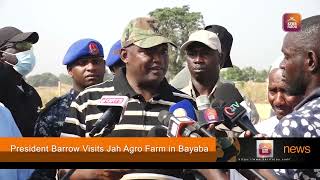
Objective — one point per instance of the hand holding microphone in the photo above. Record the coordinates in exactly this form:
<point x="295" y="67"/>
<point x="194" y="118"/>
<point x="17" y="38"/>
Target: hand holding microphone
<point x="234" y="110"/>
<point x="207" y="116"/>
<point x="181" y="121"/>
<point x="184" y="109"/>
<point x="177" y="127"/>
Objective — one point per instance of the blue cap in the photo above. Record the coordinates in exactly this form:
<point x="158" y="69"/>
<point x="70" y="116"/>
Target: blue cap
<point x="114" y="56"/>
<point x="81" y="49"/>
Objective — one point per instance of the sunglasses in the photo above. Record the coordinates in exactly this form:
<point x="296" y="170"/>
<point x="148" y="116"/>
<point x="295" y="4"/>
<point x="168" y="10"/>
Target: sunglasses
<point x="20" y="46"/>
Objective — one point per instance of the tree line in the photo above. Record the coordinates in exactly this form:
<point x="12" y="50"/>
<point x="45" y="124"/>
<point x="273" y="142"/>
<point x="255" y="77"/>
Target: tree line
<point x="48" y="79"/>
<point x="244" y="74"/>
<point x="233" y="74"/>
<point x="177" y="24"/>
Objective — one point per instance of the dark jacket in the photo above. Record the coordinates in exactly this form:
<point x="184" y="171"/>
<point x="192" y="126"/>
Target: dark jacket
<point x="23" y="104"/>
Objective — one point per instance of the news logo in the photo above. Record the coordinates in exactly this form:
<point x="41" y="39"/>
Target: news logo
<point x="264" y="148"/>
<point x="230" y="110"/>
<point x="291" y="22"/>
<point x="108" y="100"/>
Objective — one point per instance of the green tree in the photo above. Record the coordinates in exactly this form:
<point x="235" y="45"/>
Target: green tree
<point x="45" y="79"/>
<point x="261" y="76"/>
<point x="233" y="74"/>
<point x="176" y="24"/>
<point x="65" y="79"/>
<point x="248" y="74"/>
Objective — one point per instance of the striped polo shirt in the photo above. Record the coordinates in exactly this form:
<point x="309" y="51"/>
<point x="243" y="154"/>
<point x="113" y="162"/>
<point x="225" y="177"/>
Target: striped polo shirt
<point x="139" y="117"/>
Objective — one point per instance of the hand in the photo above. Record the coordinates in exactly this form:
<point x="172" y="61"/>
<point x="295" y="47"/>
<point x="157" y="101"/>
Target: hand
<point x="9" y="58"/>
<point x="215" y="132"/>
<point x="248" y="134"/>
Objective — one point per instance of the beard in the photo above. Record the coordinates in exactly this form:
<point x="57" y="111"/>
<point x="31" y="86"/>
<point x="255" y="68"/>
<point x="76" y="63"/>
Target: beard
<point x="297" y="86"/>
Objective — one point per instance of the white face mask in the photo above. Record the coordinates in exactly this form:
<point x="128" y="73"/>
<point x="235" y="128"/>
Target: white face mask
<point x="26" y="62"/>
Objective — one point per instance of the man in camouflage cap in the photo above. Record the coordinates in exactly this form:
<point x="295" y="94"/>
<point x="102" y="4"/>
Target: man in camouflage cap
<point x="145" y="53"/>
<point x="143" y="32"/>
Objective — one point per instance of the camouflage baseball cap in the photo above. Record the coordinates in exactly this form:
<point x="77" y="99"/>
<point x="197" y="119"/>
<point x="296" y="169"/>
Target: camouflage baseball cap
<point x="143" y="32"/>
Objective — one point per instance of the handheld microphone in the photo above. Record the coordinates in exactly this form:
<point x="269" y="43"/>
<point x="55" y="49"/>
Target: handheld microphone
<point x="114" y="107"/>
<point x="185" y="107"/>
<point x="177" y="127"/>
<point x="157" y="131"/>
<point x="205" y="114"/>
<point x="233" y="110"/>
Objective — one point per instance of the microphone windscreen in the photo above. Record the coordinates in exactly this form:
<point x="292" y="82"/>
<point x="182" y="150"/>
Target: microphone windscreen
<point x="228" y="93"/>
<point x="187" y="106"/>
<point x="157" y="131"/>
<point x="163" y="117"/>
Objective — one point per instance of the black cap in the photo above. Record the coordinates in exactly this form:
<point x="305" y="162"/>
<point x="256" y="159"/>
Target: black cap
<point x="12" y="34"/>
<point x="226" y="40"/>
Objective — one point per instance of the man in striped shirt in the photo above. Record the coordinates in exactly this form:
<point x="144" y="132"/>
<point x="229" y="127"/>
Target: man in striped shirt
<point x="145" y="53"/>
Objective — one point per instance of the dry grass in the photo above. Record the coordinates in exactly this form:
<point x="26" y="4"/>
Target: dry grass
<point x="255" y="91"/>
<point x="47" y="93"/>
<point x="263" y="110"/>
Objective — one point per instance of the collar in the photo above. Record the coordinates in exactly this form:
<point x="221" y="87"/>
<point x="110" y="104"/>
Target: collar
<point x="190" y="90"/>
<point x="122" y="86"/>
<point x="314" y="94"/>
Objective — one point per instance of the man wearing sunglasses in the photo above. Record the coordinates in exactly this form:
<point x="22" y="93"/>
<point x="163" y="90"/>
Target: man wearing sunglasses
<point x="16" y="61"/>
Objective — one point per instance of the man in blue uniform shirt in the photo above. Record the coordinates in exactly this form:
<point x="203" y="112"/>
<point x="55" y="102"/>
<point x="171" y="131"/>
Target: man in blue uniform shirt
<point x="85" y="64"/>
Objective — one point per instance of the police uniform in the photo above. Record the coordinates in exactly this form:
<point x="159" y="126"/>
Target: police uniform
<point x="52" y="116"/>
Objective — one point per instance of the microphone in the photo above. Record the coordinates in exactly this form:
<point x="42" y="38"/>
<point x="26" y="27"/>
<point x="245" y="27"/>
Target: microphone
<point x="184" y="109"/>
<point x="114" y="107"/>
<point x="205" y="114"/>
<point x="177" y="127"/>
<point x="157" y="131"/>
<point x="233" y="109"/>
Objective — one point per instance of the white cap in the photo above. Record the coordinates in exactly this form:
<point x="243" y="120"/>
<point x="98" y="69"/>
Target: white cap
<point x="206" y="37"/>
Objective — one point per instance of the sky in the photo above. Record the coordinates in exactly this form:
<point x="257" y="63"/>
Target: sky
<point x="256" y="25"/>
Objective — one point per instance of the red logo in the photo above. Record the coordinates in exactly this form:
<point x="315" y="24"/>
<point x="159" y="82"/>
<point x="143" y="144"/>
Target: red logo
<point x="291" y="22"/>
<point x="111" y="100"/>
<point x="93" y="49"/>
<point x="211" y="114"/>
<point x="228" y="111"/>
<point x="264" y="148"/>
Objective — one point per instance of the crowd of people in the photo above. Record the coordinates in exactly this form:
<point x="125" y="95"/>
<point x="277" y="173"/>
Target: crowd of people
<point x="139" y="62"/>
